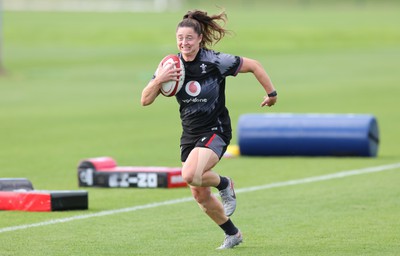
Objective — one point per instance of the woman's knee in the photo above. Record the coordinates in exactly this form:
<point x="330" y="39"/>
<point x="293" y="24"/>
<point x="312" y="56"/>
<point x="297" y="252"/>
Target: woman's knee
<point x="187" y="176"/>
<point x="198" y="162"/>
<point x="191" y="176"/>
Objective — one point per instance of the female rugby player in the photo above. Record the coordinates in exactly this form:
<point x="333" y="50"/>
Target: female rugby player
<point x="205" y="119"/>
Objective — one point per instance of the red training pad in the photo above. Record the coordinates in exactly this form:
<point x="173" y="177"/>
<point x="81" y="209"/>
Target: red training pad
<point x="25" y="201"/>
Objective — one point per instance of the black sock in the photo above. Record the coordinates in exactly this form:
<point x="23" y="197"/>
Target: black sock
<point x="223" y="184"/>
<point x="229" y="228"/>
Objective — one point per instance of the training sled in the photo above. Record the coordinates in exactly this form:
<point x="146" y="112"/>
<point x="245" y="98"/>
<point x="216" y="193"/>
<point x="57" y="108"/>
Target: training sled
<point x="104" y="172"/>
<point x="18" y="194"/>
<point x="308" y="135"/>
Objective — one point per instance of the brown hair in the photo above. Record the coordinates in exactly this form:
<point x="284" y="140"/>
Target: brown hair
<point x="205" y="25"/>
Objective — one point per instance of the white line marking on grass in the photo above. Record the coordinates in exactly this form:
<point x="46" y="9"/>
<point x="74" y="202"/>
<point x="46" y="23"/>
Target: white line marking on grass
<point x="336" y="175"/>
<point x="98" y="214"/>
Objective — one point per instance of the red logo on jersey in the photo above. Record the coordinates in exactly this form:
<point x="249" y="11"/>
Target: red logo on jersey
<point x="193" y="88"/>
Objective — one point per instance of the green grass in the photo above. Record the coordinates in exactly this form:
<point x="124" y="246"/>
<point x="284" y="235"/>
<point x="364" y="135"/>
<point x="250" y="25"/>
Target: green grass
<point x="72" y="91"/>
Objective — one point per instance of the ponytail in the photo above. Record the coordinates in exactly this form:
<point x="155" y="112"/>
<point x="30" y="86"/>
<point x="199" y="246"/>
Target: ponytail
<point x="205" y="25"/>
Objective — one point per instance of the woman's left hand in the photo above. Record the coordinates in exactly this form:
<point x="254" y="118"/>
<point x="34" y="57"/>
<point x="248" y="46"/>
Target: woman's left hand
<point x="269" y="101"/>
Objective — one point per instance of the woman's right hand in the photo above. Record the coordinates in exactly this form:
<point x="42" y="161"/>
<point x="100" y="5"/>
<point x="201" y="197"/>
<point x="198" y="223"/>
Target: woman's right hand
<point x="166" y="73"/>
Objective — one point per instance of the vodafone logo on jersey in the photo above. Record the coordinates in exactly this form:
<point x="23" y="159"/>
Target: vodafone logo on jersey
<point x="193" y="88"/>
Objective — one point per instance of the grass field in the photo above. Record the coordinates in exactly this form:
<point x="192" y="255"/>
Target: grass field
<point x="72" y="91"/>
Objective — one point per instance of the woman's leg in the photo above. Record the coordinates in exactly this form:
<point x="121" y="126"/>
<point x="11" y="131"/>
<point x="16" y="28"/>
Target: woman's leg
<point x="196" y="171"/>
<point x="210" y="204"/>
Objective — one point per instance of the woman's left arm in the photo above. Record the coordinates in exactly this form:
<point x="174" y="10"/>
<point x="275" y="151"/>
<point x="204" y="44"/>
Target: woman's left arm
<point x="255" y="67"/>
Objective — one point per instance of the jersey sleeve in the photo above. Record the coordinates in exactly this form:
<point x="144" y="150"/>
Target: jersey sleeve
<point x="229" y="65"/>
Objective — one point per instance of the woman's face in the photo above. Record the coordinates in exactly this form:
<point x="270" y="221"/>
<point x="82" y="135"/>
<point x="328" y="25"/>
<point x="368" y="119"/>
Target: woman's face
<point x="188" y="42"/>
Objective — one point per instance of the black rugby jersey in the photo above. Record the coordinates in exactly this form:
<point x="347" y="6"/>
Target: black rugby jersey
<point x="202" y="96"/>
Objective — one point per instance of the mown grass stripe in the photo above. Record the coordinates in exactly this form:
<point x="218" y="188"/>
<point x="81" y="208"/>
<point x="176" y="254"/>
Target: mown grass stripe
<point x="336" y="175"/>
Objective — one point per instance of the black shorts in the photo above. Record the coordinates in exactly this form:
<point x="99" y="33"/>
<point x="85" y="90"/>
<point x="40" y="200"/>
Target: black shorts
<point x="217" y="142"/>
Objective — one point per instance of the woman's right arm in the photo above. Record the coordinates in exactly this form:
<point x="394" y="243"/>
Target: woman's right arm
<point x="152" y="90"/>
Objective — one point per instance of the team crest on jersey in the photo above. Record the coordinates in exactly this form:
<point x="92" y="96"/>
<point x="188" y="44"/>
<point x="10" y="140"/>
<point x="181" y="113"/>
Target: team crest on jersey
<point x="203" y="68"/>
<point x="193" y="88"/>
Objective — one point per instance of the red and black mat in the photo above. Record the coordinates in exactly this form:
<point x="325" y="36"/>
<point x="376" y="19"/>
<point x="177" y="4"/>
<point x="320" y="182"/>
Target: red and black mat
<point x="19" y="194"/>
<point x="104" y="172"/>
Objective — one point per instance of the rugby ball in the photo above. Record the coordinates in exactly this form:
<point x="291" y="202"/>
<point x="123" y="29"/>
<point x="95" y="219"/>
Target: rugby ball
<point x="171" y="88"/>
